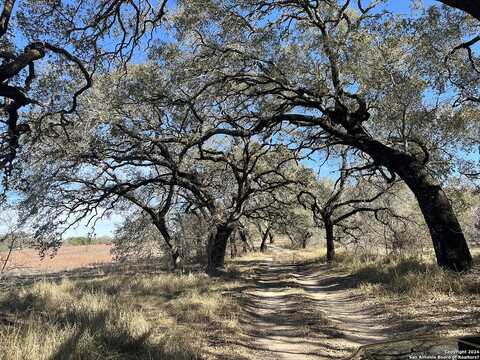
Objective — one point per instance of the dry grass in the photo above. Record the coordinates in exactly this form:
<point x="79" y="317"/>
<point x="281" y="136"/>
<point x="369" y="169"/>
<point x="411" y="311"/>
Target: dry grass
<point x="415" y="295"/>
<point x="317" y="254"/>
<point x="165" y="316"/>
<point x="191" y="316"/>
<point x="412" y="277"/>
<point x="412" y="294"/>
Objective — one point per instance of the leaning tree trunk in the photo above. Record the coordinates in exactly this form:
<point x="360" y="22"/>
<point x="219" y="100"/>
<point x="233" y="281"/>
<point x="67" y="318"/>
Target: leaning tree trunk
<point x="270" y="236"/>
<point x="451" y="248"/>
<point x="246" y="246"/>
<point x="450" y="245"/>
<point x="217" y="246"/>
<point x="174" y="254"/>
<point x="330" y="240"/>
<point x="263" y="245"/>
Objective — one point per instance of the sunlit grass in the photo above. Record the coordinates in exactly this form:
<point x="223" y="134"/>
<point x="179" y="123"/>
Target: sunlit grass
<point x="412" y="277"/>
<point x="118" y="317"/>
<point x="392" y="276"/>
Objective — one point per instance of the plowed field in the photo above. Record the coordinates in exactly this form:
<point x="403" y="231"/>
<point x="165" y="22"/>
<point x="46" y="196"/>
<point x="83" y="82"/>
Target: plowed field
<point x="67" y="257"/>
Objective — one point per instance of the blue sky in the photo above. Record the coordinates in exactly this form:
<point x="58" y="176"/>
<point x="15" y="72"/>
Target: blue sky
<point x="104" y="227"/>
<point x="403" y="7"/>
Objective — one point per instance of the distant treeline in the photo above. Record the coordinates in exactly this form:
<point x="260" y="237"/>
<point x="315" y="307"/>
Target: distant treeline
<point x="85" y="240"/>
<point x="22" y="241"/>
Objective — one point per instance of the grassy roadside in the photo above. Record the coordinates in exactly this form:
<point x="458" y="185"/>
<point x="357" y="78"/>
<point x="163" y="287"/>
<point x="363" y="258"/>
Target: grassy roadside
<point x="406" y="277"/>
<point x="414" y="278"/>
<point x="413" y="293"/>
<point x="167" y="316"/>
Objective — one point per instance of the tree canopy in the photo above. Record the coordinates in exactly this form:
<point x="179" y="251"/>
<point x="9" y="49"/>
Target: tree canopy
<point x="226" y="110"/>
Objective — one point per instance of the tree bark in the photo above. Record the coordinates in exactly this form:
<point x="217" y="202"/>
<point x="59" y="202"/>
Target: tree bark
<point x="451" y="248"/>
<point x="304" y="242"/>
<point x="233" y="244"/>
<point x="263" y="245"/>
<point x="265" y="235"/>
<point x="330" y="240"/>
<point x="5" y="16"/>
<point x="270" y="236"/>
<point x="450" y="245"/>
<point x="174" y="254"/>
<point x="217" y="246"/>
<point x="244" y="238"/>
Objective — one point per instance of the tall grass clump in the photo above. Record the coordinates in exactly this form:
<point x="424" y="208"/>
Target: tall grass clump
<point x="414" y="277"/>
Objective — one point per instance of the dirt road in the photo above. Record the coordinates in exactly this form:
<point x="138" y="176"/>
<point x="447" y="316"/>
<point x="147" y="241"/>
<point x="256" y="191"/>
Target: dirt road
<point x="302" y="312"/>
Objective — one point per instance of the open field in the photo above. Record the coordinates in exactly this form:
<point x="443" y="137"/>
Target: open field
<point x="67" y="257"/>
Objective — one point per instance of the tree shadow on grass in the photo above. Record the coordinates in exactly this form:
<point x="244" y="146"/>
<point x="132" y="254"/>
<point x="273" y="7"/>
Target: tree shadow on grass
<point x="101" y="270"/>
